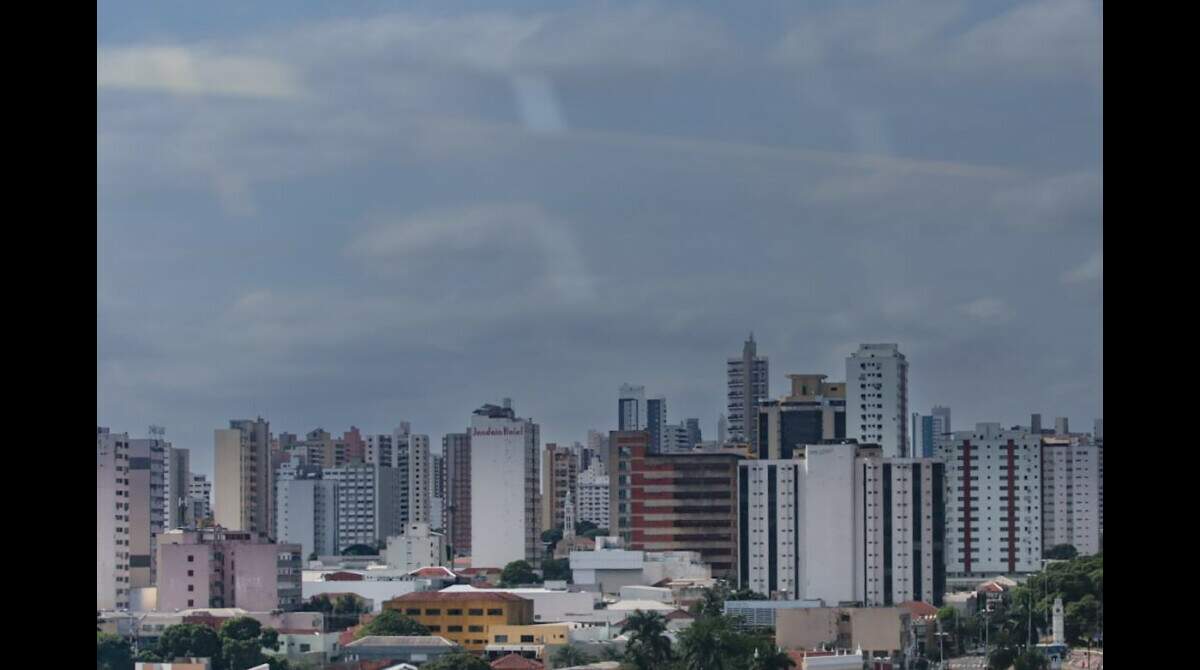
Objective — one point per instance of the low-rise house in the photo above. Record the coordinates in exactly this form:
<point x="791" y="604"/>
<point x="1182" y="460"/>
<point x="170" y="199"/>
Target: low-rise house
<point x="399" y="648"/>
<point x="536" y="641"/>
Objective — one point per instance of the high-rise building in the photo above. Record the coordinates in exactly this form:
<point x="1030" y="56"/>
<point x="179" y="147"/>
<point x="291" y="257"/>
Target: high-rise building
<point x="408" y="453"/>
<point x="214" y="567"/>
<point x="631" y="407"/>
<point x="674" y="439"/>
<point x="112" y="519"/>
<point x="993" y="501"/>
<point x="748" y="383"/>
<point x="656" y="421"/>
<point x="305" y="508"/>
<point x="560" y="479"/>
<point x="928" y="429"/>
<point x="905" y="542"/>
<point x="674" y="502"/>
<point x="593" y="495"/>
<point x="178" y="481"/>
<point x="437" y="497"/>
<point x="457" y="510"/>
<point x="1035" y="424"/>
<point x="200" y="498"/>
<point x="693" y="432"/>
<point x="597" y="444"/>
<point x="418" y="547"/>
<point x="505" y="495"/>
<point x="1071" y="493"/>
<point x="242" y="480"/>
<point x="722" y="429"/>
<point x="877" y="398"/>
<point x="368" y="503"/>
<point x="1098" y="429"/>
<point x="356" y="448"/>
<point x="1061" y="426"/>
<point x="814" y="411"/>
<point x="147" y="515"/>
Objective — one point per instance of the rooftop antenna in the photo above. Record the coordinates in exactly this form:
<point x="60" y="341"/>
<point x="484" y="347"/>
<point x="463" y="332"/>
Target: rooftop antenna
<point x="157" y="432"/>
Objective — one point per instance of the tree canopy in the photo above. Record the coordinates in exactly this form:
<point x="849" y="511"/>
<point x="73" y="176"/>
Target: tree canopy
<point x="113" y="653"/>
<point x="360" y="550"/>
<point x="517" y="573"/>
<point x="557" y="569"/>
<point x="239" y="644"/>
<point x="1061" y="552"/>
<point x="391" y="622"/>
<point x="459" y="661"/>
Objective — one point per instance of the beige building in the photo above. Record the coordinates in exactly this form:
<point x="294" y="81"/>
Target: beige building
<point x="879" y="631"/>
<point x="560" y="476"/>
<point x="538" y="640"/>
<point x="219" y="568"/>
<point x="242" y="477"/>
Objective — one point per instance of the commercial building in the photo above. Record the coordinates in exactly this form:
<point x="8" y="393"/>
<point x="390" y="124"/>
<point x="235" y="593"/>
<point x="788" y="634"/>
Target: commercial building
<point x="214" y="567"/>
<point x="505" y="496"/>
<point x="560" y="479"/>
<point x="147" y="513"/>
<point x="813" y="412"/>
<point x="631" y="407"/>
<point x="747" y="384"/>
<point x="368" y="503"/>
<point x="549" y="604"/>
<point x="881" y="632"/>
<point x="993" y="501"/>
<point x="464" y="617"/>
<point x="457" y="508"/>
<point x="593" y="495"/>
<point x="418" y="547"/>
<point x="929" y="428"/>
<point x="877" y="398"/>
<point x="1071" y="493"/>
<point x="656" y="422"/>
<point x="674" y="502"/>
<point x="306" y="508"/>
<point x="112" y="519"/>
<point x="534" y="641"/>
<point x="242" y="478"/>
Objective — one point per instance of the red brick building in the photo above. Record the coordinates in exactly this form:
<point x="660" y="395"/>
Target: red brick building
<point x="674" y="502"/>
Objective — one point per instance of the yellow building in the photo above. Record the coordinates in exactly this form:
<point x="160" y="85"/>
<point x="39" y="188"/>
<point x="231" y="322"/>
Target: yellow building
<point x="527" y="640"/>
<point x="465" y="618"/>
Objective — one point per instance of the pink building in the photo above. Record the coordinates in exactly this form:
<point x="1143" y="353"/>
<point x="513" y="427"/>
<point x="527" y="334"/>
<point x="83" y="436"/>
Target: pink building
<point x="214" y="567"/>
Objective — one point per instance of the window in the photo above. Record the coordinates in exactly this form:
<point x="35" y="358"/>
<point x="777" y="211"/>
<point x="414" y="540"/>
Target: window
<point x="454" y="612"/>
<point x="475" y="612"/>
<point x="191" y="603"/>
<point x="191" y="558"/>
<point x="433" y="612"/>
<point x="191" y="573"/>
<point x="413" y="611"/>
<point x="436" y="629"/>
<point x="453" y="629"/>
<point x="526" y="638"/>
<point x="191" y="587"/>
<point x="475" y="629"/>
<point x="501" y="639"/>
<point x="496" y="612"/>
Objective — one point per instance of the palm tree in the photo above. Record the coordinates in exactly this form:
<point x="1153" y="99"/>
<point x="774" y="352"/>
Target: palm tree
<point x="771" y="659"/>
<point x="570" y="656"/>
<point x="649" y="647"/>
<point x="710" y="643"/>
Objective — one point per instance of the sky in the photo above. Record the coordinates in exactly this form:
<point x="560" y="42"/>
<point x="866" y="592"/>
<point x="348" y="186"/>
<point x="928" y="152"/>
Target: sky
<point x="361" y="213"/>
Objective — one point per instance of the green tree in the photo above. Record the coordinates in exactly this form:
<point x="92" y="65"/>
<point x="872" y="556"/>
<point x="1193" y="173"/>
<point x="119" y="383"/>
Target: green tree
<point x="459" y="661"/>
<point x="360" y="550"/>
<point x="148" y="656"/>
<point x="712" y="602"/>
<point x="189" y="640"/>
<point x="1080" y="618"/>
<point x="242" y="642"/>
<point x="1062" y="552"/>
<point x="746" y="594"/>
<point x="1001" y="658"/>
<point x="771" y="658"/>
<point x="557" y="569"/>
<point x="517" y="573"/>
<point x="241" y="654"/>
<point x="1031" y="660"/>
<point x="570" y="655"/>
<point x="649" y="647"/>
<point x="712" y="643"/>
<point x="584" y="527"/>
<point x="112" y="653"/>
<point x="552" y="536"/>
<point x="594" y="533"/>
<point x="391" y="622"/>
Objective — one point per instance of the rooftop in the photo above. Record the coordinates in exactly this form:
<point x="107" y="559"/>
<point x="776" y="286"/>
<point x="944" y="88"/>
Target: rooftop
<point x="401" y="641"/>
<point x="515" y="662"/>
<point x="456" y="596"/>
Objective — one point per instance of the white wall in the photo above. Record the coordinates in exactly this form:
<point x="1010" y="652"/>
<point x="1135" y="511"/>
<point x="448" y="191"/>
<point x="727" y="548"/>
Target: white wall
<point x="500" y="473"/>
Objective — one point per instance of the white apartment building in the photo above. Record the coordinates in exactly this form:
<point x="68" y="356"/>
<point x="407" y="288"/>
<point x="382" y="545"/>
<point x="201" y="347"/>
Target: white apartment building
<point x="747" y="384"/>
<point x="242" y="478"/>
<point x="200" y="497"/>
<point x="838" y="522"/>
<point x="147" y="515"/>
<point x="1071" y="478"/>
<point x="993" y="501"/>
<point x="305" y="508"/>
<point x="177" y="479"/>
<point x="409" y="454"/>
<point x="112" y="520"/>
<point x="675" y="439"/>
<point x="593" y="495"/>
<point x="505" y="492"/>
<point x="877" y="398"/>
<point x="368" y="503"/>
<point x="418" y="547"/>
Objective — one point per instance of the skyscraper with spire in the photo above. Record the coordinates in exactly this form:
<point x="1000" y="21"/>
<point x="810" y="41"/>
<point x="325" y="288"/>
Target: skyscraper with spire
<point x="748" y="383"/>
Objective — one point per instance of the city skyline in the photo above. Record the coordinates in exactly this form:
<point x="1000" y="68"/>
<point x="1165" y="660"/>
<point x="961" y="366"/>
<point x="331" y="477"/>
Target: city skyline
<point x="330" y="220"/>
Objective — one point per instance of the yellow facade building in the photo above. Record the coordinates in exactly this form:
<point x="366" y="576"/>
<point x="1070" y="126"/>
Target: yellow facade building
<point x="465" y="618"/>
<point x="537" y="638"/>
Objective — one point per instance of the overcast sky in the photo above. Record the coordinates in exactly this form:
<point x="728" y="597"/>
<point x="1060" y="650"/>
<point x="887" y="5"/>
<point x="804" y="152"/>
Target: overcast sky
<point x="363" y="213"/>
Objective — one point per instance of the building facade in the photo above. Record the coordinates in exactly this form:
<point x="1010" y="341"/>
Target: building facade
<point x="747" y="384"/>
<point x="560" y="479"/>
<point x="815" y="411"/>
<point x="147" y="507"/>
<point x="505" y="496"/>
<point x="177" y="484"/>
<point x="1071" y="478"/>
<point x="456" y="511"/>
<point x="306" y="509"/>
<point x="242" y="477"/>
<point x="631" y="407"/>
<point x="877" y="398"/>
<point x="464" y="618"/>
<point x="904" y="526"/>
<point x="214" y="567"/>
<point x="593" y="495"/>
<point x="200" y="498"/>
<point x="993" y="501"/>
<point x="112" y="519"/>
<point x="674" y="502"/>
<point x="368" y="504"/>
<point x="418" y="547"/>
